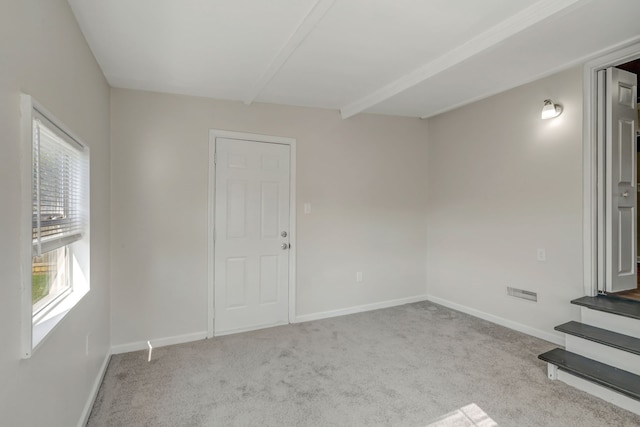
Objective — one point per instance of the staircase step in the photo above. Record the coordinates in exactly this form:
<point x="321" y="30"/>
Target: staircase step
<point x="611" y="304"/>
<point x="615" y="379"/>
<point x="601" y="336"/>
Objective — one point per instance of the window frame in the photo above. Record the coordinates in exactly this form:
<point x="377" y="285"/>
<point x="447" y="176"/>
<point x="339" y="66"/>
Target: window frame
<point x="38" y="325"/>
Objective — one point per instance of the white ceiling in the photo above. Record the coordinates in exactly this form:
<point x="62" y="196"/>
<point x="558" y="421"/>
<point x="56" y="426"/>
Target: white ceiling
<point x="403" y="57"/>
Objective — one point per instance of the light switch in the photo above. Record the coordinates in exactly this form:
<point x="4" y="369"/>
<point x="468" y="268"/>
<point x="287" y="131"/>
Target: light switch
<point x="307" y="208"/>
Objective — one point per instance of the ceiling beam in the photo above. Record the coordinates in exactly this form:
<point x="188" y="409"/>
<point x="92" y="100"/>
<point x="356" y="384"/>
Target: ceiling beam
<point x="307" y="25"/>
<point x="494" y="35"/>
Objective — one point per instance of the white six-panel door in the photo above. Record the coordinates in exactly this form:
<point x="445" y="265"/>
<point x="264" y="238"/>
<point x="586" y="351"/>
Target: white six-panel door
<point x="620" y="177"/>
<point x="252" y="228"/>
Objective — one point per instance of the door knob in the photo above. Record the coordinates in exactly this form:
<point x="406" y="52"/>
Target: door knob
<point x="625" y="194"/>
<point x="285" y="246"/>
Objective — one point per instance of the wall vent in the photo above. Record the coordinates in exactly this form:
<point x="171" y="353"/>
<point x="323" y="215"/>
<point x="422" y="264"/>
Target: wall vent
<point x="521" y="293"/>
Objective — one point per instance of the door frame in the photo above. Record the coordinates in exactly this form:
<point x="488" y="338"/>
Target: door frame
<point x="593" y="164"/>
<point x="291" y="142"/>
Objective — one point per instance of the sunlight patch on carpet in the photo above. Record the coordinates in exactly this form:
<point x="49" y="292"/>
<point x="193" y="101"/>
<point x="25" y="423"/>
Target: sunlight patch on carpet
<point x="467" y="416"/>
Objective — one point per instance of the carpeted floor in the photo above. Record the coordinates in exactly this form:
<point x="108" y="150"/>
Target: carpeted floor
<point x="403" y="366"/>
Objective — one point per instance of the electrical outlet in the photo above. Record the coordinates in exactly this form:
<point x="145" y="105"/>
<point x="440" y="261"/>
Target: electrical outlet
<point x="542" y="254"/>
<point x="359" y="276"/>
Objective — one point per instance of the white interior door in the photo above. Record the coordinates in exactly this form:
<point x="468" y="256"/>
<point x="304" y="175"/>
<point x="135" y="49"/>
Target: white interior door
<point x="252" y="230"/>
<point x="620" y="177"/>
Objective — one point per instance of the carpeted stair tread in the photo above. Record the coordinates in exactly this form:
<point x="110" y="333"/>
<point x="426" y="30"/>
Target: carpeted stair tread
<point x="616" y="379"/>
<point x="601" y="336"/>
<point x="611" y="304"/>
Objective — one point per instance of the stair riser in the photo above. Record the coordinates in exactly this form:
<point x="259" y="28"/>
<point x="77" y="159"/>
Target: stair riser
<point x="601" y="392"/>
<point x="611" y="322"/>
<point x="611" y="356"/>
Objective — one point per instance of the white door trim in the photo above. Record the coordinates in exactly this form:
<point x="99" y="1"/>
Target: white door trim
<point x="291" y="142"/>
<point x="592" y="242"/>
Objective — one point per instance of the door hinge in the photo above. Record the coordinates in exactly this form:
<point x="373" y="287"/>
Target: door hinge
<point x="215" y="158"/>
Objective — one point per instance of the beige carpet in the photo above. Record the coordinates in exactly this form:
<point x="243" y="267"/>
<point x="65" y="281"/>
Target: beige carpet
<point x="413" y="365"/>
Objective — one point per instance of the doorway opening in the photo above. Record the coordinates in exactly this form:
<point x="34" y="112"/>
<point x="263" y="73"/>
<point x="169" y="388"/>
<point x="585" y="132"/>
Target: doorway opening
<point x="634" y="67"/>
<point x="252" y="232"/>
<point x="611" y="180"/>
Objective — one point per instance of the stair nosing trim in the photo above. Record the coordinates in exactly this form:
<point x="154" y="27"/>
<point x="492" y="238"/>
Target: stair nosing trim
<point x="605" y="309"/>
<point x="600" y="383"/>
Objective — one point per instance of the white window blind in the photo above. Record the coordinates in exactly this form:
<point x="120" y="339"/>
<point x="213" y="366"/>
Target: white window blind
<point x="59" y="168"/>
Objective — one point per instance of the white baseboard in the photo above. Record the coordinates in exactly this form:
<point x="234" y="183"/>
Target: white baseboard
<point x="359" y="308"/>
<point x="249" y="329"/>
<point x="84" y="417"/>
<point x="158" y="342"/>
<point x="499" y="320"/>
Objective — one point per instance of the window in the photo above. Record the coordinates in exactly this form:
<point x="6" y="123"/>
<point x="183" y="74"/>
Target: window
<point x="58" y="196"/>
<point x="49" y="278"/>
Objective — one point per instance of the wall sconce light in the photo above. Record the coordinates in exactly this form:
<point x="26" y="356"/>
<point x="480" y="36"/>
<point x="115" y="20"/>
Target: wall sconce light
<point x="550" y="110"/>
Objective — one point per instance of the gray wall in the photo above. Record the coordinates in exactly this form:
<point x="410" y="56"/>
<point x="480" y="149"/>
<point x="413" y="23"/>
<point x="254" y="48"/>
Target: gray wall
<point x="43" y="53"/>
<point x="503" y="183"/>
<point x="365" y="178"/>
